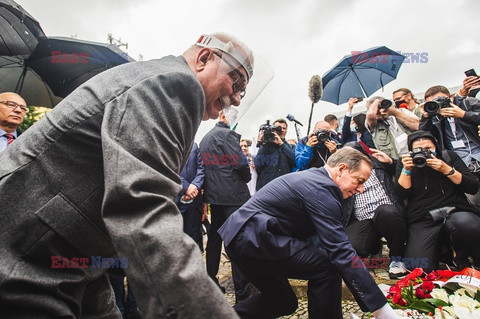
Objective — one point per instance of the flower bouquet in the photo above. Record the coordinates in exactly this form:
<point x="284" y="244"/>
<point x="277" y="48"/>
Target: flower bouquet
<point x="441" y="294"/>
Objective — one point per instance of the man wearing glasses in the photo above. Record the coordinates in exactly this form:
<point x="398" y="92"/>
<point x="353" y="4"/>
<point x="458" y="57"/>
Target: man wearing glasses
<point x="404" y="98"/>
<point x="99" y="175"/>
<point x="12" y="112"/>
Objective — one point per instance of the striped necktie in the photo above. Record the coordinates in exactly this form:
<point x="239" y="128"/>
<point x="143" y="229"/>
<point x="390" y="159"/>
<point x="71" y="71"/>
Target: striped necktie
<point x="10" y="138"/>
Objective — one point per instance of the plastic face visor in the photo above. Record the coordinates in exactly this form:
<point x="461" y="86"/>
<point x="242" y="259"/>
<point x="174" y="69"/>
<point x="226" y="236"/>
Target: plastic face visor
<point x="209" y="41"/>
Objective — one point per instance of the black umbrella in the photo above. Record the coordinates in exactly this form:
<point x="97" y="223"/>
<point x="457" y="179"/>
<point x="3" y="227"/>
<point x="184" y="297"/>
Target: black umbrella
<point x="56" y="67"/>
<point x="19" y="31"/>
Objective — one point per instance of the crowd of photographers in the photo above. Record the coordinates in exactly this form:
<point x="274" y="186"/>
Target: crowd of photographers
<point x="422" y="195"/>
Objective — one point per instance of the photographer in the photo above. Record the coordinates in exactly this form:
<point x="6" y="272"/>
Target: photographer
<point x="438" y="212"/>
<point x="354" y="129"/>
<point x="390" y="126"/>
<point x="310" y="152"/>
<point x="275" y="156"/>
<point x="454" y="125"/>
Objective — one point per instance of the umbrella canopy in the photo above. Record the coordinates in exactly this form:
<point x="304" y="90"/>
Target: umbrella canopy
<point x="19" y="31"/>
<point x="56" y="67"/>
<point x="361" y="74"/>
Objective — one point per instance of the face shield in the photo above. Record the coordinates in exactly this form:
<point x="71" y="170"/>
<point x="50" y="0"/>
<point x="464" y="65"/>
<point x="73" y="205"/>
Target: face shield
<point x="245" y="74"/>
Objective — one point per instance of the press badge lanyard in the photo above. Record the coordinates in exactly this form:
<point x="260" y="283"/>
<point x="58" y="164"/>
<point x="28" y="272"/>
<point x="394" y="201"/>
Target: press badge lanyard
<point x="456" y="143"/>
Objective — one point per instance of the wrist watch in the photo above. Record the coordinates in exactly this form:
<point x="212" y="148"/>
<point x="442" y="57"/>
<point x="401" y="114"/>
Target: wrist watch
<point x="452" y="171"/>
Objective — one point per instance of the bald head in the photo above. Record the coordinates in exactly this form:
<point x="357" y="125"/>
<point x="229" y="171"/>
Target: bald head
<point x="11" y="117"/>
<point x="324" y="125"/>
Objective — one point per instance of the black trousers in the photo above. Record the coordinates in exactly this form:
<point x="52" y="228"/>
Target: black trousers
<point x="277" y="297"/>
<point x="460" y="229"/>
<point x="389" y="222"/>
<point x="219" y="213"/>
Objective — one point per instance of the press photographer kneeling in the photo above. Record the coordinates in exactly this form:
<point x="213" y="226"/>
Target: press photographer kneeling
<point x="439" y="215"/>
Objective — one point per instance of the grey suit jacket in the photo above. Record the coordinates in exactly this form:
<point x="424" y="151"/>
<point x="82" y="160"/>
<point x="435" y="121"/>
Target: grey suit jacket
<point x="98" y="176"/>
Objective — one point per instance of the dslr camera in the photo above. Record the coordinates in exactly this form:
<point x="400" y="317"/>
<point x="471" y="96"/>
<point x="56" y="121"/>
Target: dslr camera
<point x="322" y="135"/>
<point x="268" y="132"/>
<point x="432" y="107"/>
<point x="420" y="156"/>
<point x="385" y="104"/>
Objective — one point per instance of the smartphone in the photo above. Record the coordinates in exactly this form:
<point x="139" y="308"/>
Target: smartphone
<point x="471" y="72"/>
<point x="359" y="98"/>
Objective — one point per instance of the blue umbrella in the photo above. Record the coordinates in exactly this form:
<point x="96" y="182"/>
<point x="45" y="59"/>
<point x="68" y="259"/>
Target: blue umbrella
<point x="361" y="74"/>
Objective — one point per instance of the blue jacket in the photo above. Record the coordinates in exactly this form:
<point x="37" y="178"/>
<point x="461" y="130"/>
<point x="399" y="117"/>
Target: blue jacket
<point x="192" y="173"/>
<point x="279" y="219"/>
<point x="306" y="156"/>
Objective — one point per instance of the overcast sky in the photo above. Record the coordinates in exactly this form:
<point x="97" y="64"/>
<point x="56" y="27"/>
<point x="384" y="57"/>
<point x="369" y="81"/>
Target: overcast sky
<point x="298" y="38"/>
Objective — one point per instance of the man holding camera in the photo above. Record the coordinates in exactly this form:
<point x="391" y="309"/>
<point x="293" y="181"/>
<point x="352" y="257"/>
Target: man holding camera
<point x="434" y="182"/>
<point x="404" y="98"/>
<point x="454" y="124"/>
<point x="275" y="156"/>
<point x="390" y="126"/>
<point x="315" y="149"/>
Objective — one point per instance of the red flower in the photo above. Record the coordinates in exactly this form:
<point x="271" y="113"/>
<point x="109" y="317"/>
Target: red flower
<point x="431" y="276"/>
<point x="414" y="274"/>
<point x="419" y="293"/>
<point x="397" y="299"/>
<point x="427" y="286"/>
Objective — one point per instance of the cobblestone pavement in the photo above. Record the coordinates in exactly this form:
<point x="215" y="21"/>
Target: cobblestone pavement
<point x="300" y="287"/>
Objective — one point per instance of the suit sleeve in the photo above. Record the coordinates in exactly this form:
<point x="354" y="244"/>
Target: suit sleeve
<point x="146" y="137"/>
<point x="200" y="176"/>
<point x="325" y="208"/>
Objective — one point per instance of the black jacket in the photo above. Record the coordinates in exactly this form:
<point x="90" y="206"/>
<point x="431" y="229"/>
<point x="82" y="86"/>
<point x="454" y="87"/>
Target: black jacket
<point x="273" y="161"/>
<point x="226" y="168"/>
<point x="431" y="189"/>
<point x="437" y="124"/>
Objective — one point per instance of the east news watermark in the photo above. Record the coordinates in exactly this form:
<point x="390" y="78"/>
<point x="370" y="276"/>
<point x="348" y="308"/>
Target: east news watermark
<point x="92" y="262"/>
<point x="380" y="57"/>
<point x="383" y="262"/>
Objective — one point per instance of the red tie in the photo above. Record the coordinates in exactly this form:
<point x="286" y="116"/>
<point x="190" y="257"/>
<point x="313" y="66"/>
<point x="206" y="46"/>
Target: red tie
<point x="10" y="138"/>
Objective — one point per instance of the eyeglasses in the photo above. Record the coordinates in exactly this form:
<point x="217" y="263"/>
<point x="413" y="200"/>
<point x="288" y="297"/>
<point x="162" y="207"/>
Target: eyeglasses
<point x="13" y="105"/>
<point x="239" y="82"/>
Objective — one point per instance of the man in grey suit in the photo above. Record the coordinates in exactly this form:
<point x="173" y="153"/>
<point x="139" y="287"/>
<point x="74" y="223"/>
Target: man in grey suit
<point x="94" y="183"/>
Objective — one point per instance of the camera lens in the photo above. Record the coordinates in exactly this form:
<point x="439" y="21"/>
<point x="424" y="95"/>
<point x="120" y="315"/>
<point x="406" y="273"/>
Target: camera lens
<point x="431" y="107"/>
<point x="385" y="104"/>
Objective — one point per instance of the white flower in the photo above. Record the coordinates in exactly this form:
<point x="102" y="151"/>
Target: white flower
<point x="463" y="301"/>
<point x="446" y="315"/>
<point x="439" y="294"/>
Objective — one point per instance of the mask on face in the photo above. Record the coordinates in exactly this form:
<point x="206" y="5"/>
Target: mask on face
<point x="353" y="128"/>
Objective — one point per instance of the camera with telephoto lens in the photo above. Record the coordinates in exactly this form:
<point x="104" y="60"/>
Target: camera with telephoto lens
<point x="268" y="132"/>
<point x="322" y="135"/>
<point x="432" y="107"/>
<point x="420" y="156"/>
<point x="385" y="104"/>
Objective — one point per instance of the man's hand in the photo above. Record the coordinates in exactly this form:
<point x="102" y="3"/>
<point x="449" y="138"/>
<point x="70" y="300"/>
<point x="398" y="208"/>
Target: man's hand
<point x="381" y="156"/>
<point x="191" y="192"/>
<point x="438" y="165"/>
<point x="351" y="102"/>
<point x="453" y="111"/>
<point x="468" y="83"/>
<point x="407" y="162"/>
<point x="277" y="140"/>
<point x="478" y="130"/>
<point x="312" y="139"/>
<point x="332" y="146"/>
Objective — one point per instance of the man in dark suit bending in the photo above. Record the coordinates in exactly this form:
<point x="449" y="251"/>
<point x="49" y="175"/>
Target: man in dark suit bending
<point x="268" y="239"/>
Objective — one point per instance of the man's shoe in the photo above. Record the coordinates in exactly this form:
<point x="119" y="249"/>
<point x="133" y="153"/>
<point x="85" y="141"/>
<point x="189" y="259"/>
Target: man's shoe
<point x="397" y="270"/>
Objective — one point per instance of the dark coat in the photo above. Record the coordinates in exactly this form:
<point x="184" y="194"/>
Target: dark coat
<point x="348" y="136"/>
<point x="272" y="161"/>
<point x="280" y="218"/>
<point x="226" y="168"/>
<point x="469" y="123"/>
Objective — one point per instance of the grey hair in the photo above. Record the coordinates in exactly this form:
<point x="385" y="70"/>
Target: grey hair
<point x="350" y="157"/>
<point x="373" y="99"/>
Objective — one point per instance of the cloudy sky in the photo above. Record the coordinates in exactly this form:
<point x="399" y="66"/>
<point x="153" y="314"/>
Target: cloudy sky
<point x="298" y="38"/>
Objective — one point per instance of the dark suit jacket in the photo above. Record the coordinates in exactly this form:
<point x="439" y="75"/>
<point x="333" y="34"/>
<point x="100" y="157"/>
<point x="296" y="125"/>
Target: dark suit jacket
<point x="193" y="173"/>
<point x="281" y="216"/>
<point x="98" y="176"/>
